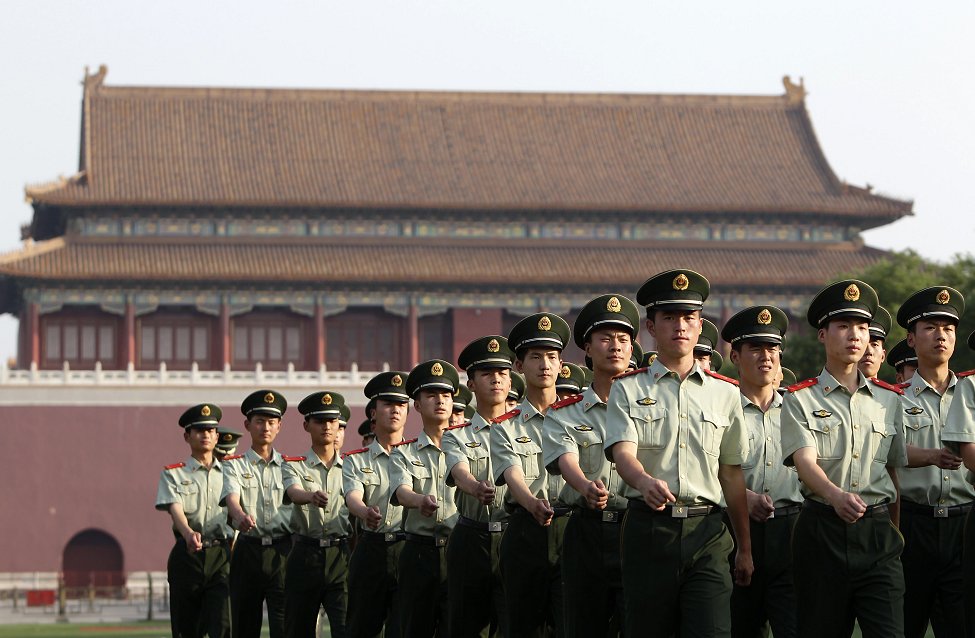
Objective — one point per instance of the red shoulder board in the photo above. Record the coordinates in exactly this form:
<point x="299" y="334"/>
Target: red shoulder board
<point x="293" y="459"/>
<point x="406" y="442"/>
<point x="233" y="456"/>
<point x="720" y="376"/>
<point x="908" y="383"/>
<point x="886" y="386"/>
<point x="630" y="373"/>
<point x="507" y="415"/>
<point x="175" y="466"/>
<point x="808" y="383"/>
<point x="575" y="398"/>
<point x="457" y="427"/>
<point x="359" y="451"/>
<point x="960" y="375"/>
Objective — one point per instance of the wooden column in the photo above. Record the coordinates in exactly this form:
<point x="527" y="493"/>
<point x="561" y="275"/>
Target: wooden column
<point x="319" y="335"/>
<point x="34" y="321"/>
<point x="129" y="333"/>
<point x="413" y="336"/>
<point x="225" y="341"/>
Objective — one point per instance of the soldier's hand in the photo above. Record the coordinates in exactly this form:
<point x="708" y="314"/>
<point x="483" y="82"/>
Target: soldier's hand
<point x="194" y="542"/>
<point x="373" y="517"/>
<point x="319" y="498"/>
<point x="759" y="506"/>
<point x="597" y="496"/>
<point x="849" y="507"/>
<point x="485" y="492"/>
<point x="656" y="493"/>
<point x="246" y="523"/>
<point x="744" y="568"/>
<point x="946" y="459"/>
<point x="429" y="506"/>
<point x="542" y="512"/>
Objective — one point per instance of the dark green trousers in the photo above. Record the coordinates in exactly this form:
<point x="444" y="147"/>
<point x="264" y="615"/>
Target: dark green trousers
<point x="316" y="577"/>
<point x="257" y="576"/>
<point x="968" y="566"/>
<point x="373" y="584"/>
<point x="591" y="577"/>
<point x="770" y="600"/>
<point x="199" y="591"/>
<point x="846" y="572"/>
<point x="475" y="602"/>
<point x="675" y="574"/>
<point x="422" y="601"/>
<point x="532" y="575"/>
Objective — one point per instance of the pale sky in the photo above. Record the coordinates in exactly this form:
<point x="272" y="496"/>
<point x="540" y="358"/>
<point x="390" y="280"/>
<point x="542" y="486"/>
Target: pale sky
<point x="890" y="90"/>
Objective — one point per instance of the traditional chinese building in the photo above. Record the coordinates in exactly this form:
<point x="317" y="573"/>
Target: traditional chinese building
<point x="216" y="240"/>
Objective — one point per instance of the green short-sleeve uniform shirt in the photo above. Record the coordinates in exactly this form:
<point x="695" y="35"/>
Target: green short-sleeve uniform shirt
<point x="367" y="472"/>
<point x="764" y="471"/>
<point x="312" y="475"/>
<point x="471" y="444"/>
<point x="422" y="466"/>
<point x="260" y="486"/>
<point x="198" y="489"/>
<point x="960" y="421"/>
<point x="518" y="441"/>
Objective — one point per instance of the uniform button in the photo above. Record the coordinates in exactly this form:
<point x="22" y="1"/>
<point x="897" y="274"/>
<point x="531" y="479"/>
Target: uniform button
<point x="683" y="416"/>
<point x="768" y="438"/>
<point x="856" y="427"/>
<point x="766" y="489"/>
<point x="946" y="477"/>
<point x="585" y="444"/>
<point x="941" y="502"/>
<point x="682" y="445"/>
<point x="856" y="455"/>
<point x="855" y="484"/>
<point x="769" y="463"/>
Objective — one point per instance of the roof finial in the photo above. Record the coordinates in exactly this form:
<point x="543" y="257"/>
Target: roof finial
<point x="94" y="81"/>
<point x="794" y="93"/>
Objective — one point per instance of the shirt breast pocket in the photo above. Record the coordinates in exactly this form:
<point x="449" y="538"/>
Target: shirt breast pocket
<point x="591" y="457"/>
<point x="883" y="436"/>
<point x="650" y="422"/>
<point x="917" y="429"/>
<point x="421" y="475"/>
<point x="750" y="460"/>
<point x="528" y="454"/>
<point x="826" y="432"/>
<point x="477" y="459"/>
<point x="714" y="427"/>
<point x="190" y="496"/>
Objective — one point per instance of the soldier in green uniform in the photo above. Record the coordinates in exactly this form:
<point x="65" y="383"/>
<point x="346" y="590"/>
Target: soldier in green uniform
<point x="874" y="354"/>
<point x="226" y="443"/>
<point x="705" y="352"/>
<point x="531" y="546"/>
<point x="344" y="415"/>
<point x="935" y="495"/>
<point x="959" y="435"/>
<point x="843" y="432"/>
<point x="199" y="563"/>
<point x="419" y="480"/>
<point x="462" y="401"/>
<point x="676" y="433"/>
<point x="903" y="360"/>
<point x="784" y="379"/>
<point x="475" y="600"/>
<point x="318" y="567"/>
<point x="570" y="381"/>
<point x="374" y="566"/>
<point x="572" y="445"/>
<point x="772" y="490"/>
<point x="517" y="392"/>
<point x="253" y="491"/>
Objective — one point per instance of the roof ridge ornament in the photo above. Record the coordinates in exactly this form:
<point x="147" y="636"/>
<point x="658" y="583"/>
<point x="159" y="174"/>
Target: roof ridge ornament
<point x="94" y="81"/>
<point x="794" y="93"/>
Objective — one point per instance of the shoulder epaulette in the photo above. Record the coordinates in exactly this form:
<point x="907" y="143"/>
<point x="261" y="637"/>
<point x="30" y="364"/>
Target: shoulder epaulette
<point x="359" y="451"/>
<point x="886" y="386"/>
<point x="458" y="426"/>
<point x="630" y="373"/>
<point x="720" y="376"/>
<point x="802" y="385"/>
<point x="175" y="466"/>
<point x="294" y="459"/>
<point x="507" y="415"/>
<point x="575" y="398"/>
<point x="233" y="457"/>
<point x="405" y="442"/>
<point x="907" y="384"/>
<point x="966" y="373"/>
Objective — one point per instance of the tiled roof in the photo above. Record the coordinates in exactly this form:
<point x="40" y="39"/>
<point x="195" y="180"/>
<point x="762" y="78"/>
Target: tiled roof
<point x="418" y="264"/>
<point x="452" y="150"/>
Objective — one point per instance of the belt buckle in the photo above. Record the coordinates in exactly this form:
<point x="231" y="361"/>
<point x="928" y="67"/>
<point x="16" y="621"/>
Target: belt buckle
<point x="494" y="526"/>
<point x="772" y="515"/>
<point x="610" y="516"/>
<point x="439" y="541"/>
<point x="324" y="542"/>
<point x="389" y="537"/>
<point x="266" y="541"/>
<point x="941" y="512"/>
<point x="678" y="511"/>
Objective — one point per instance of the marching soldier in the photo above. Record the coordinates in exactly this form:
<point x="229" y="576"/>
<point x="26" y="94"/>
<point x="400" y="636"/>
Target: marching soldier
<point x="772" y="490"/>
<point x="935" y="495"/>
<point x="373" y="568"/>
<point x="199" y="563"/>
<point x="903" y="360"/>
<point x="784" y="379"/>
<point x="843" y="433"/>
<point x="318" y="567"/>
<point x="419" y="481"/>
<point x="705" y="352"/>
<point x="531" y="546"/>
<point x="874" y="354"/>
<point x="573" y="435"/>
<point x="462" y="401"/>
<point x="254" y="494"/>
<point x="344" y="416"/>
<point x="676" y="433"/>
<point x="517" y="392"/>
<point x="571" y="380"/>
<point x="476" y="600"/>
<point x="226" y="443"/>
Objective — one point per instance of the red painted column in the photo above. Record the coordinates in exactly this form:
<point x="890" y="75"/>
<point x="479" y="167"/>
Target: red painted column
<point x="35" y="334"/>
<point x="319" y="335"/>
<point x="413" y="338"/>
<point x="225" y="352"/>
<point x="129" y="333"/>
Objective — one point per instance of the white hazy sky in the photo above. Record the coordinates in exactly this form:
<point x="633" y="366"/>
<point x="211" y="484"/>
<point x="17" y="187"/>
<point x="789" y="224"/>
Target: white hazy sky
<point x="890" y="88"/>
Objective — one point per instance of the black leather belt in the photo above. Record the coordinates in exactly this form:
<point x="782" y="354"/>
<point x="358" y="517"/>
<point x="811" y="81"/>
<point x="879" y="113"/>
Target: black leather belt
<point x="334" y="541"/>
<point x="674" y="510"/>
<point x="788" y="510"/>
<point x="606" y="516"/>
<point x="495" y="527"/>
<point x="434" y="541"/>
<point x="877" y="510"/>
<point x="382" y="537"/>
<point x="265" y="541"/>
<point x="560" y="510"/>
<point x="937" y="511"/>
<point x="209" y="542"/>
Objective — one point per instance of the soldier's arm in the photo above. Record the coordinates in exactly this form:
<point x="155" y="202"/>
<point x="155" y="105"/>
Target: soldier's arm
<point x="596" y="494"/>
<point x="967" y="451"/>
<point x="656" y="493"/>
<point x="539" y="508"/>
<point x="895" y="507"/>
<point x="849" y="507"/>
<point x="371" y="516"/>
<point x="194" y="541"/>
<point x="468" y="483"/>
<point x="241" y="519"/>
<point x="732" y="481"/>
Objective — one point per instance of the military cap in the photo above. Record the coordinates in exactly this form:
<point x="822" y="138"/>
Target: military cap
<point x="227" y="440"/>
<point x="365" y="428"/>
<point x="541" y="330"/>
<point x="324" y="405"/>
<point x="637" y="357"/>
<point x="902" y="354"/>
<point x="843" y="299"/>
<point x="266" y="402"/>
<point x="571" y="379"/>
<point x="708" y="339"/>
<point x="586" y="378"/>
<point x="517" y="391"/>
<point x="648" y="358"/>
<point x="204" y="415"/>
<point x="462" y="398"/>
<point x="344" y="415"/>
<point x="606" y="311"/>
<point x="469" y="412"/>
<point x="674" y="290"/>
<point x="488" y="352"/>
<point x="880" y="324"/>
<point x="762" y="324"/>
<point x="971" y="340"/>
<point x="938" y="302"/>
<point x="389" y="386"/>
<point x="434" y="374"/>
<point x="788" y="378"/>
<point x="716" y="361"/>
